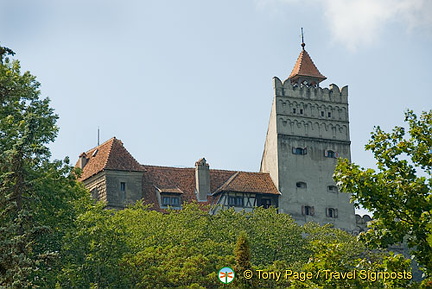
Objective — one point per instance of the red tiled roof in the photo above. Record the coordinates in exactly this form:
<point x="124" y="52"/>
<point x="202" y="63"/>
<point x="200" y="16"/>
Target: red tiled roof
<point x="251" y="183"/>
<point x="305" y="67"/>
<point x="111" y="155"/>
<point x="220" y="181"/>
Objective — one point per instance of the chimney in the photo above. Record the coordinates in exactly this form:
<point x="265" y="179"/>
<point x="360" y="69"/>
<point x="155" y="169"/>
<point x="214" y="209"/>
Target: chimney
<point x="82" y="161"/>
<point x="202" y="179"/>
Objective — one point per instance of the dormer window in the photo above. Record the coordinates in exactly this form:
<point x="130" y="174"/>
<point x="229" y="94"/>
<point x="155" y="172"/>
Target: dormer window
<point x="299" y="151"/>
<point x="171" y="201"/>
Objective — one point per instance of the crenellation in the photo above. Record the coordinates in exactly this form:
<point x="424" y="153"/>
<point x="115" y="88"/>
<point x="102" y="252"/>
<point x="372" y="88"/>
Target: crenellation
<point x="332" y="94"/>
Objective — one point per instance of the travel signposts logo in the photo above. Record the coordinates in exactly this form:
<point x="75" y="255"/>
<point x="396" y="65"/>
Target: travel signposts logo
<point x="226" y="275"/>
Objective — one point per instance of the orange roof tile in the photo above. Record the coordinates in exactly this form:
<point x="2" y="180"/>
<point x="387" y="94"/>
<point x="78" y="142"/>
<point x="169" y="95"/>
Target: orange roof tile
<point x="111" y="155"/>
<point x="305" y="67"/>
<point x="183" y="179"/>
<point x="250" y="183"/>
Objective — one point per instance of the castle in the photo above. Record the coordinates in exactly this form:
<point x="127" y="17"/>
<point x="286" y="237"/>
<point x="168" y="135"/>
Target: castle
<point x="308" y="130"/>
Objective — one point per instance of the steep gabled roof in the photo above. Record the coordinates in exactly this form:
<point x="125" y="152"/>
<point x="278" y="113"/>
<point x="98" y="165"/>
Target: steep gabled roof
<point x="305" y="67"/>
<point x="111" y="155"/>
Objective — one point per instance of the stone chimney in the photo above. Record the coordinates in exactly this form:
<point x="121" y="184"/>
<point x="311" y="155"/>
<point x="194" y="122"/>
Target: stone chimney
<point x="82" y="161"/>
<point x="202" y="179"/>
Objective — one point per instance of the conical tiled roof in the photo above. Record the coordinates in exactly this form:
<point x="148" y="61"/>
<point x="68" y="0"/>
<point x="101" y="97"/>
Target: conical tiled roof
<point x="111" y="155"/>
<point x="305" y="67"/>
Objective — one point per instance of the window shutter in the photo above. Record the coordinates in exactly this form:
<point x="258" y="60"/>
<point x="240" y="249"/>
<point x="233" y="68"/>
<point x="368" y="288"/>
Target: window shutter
<point x="305" y="150"/>
<point x="293" y="150"/>
<point x="303" y="210"/>
<point x="326" y="153"/>
<point x="312" y="211"/>
<point x="327" y="212"/>
<point x="336" y="213"/>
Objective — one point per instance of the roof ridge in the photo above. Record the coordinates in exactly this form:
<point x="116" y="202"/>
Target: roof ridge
<point x="98" y="146"/>
<point x="231" y="179"/>
<point x="109" y="151"/>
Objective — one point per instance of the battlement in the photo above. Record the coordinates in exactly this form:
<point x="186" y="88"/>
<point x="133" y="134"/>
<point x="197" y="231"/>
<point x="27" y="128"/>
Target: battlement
<point x="331" y="94"/>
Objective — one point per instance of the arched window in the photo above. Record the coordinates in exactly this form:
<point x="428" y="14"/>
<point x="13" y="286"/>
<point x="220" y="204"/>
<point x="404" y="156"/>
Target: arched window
<point x="332" y="213"/>
<point x="301" y="185"/>
<point x="299" y="151"/>
<point x="331" y="154"/>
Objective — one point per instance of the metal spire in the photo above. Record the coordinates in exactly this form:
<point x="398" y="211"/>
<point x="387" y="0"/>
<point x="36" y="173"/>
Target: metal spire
<point x="302" y="36"/>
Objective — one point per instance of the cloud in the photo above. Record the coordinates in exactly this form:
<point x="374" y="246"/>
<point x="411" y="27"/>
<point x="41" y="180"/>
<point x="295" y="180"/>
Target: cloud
<point x="357" y="23"/>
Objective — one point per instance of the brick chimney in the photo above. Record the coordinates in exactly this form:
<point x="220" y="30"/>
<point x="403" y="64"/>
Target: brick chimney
<point x="202" y="179"/>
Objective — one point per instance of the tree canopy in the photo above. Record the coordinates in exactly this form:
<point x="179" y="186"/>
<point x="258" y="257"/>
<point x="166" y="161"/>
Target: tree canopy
<point x="398" y="192"/>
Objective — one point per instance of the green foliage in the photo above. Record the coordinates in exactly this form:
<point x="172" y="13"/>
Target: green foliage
<point x="398" y="195"/>
<point x="38" y="198"/>
<point x="142" y="248"/>
<point x="243" y="260"/>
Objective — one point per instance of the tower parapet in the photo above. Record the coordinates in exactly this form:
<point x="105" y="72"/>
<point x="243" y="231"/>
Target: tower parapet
<point x="332" y="94"/>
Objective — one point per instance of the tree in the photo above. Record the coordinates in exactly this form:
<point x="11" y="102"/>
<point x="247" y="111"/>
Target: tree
<point x="399" y="191"/>
<point x="37" y="196"/>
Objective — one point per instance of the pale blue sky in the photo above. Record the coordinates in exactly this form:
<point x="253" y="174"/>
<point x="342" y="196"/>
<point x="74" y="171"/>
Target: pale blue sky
<point x="179" y="80"/>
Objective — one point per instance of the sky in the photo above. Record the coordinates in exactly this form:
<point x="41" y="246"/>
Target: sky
<point x="181" y="80"/>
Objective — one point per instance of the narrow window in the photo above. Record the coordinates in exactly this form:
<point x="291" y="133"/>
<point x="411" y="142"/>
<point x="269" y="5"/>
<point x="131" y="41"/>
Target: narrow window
<point x="175" y="201"/>
<point x="294" y="110"/>
<point x="308" y="210"/>
<point x="166" y="201"/>
<point x="329" y="114"/>
<point x="122" y="186"/>
<point x="322" y="113"/>
<point x="235" y="201"/>
<point x="301" y="111"/>
<point x="302" y="185"/>
<point x="332" y="213"/>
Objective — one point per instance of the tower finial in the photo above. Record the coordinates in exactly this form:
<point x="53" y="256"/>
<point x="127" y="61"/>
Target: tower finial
<point x="302" y="36"/>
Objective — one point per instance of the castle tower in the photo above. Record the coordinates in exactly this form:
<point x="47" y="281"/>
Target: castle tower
<point x="308" y="130"/>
